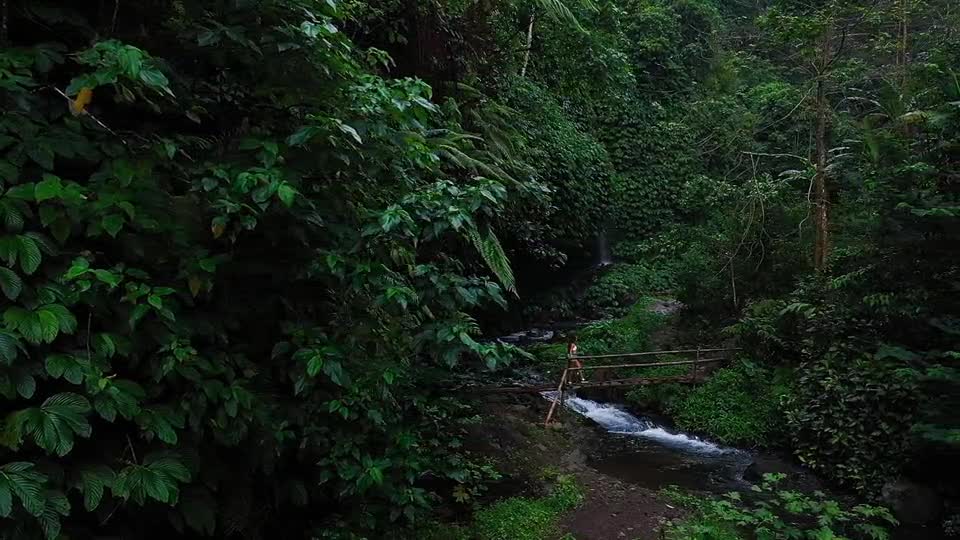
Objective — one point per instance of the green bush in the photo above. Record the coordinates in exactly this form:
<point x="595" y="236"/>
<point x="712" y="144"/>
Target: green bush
<point x="738" y="405"/>
<point x="660" y="397"/>
<point x="522" y="518"/>
<point x="443" y="531"/>
<point x="630" y="333"/>
<point x="572" y="167"/>
<point x="772" y="513"/>
<point x="851" y="420"/>
<point x="620" y="286"/>
<point x="549" y="357"/>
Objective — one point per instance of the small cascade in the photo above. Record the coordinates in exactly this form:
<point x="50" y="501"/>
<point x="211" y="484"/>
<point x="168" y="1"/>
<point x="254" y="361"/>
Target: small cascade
<point x="618" y="421"/>
<point x="602" y="251"/>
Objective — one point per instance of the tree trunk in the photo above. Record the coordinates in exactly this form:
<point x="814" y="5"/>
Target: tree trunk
<point x="821" y="201"/>
<point x="4" y="13"/>
<point x="902" y="32"/>
<point x="526" y="55"/>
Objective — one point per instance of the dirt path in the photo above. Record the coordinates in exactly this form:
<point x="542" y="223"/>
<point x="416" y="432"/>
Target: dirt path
<point x="612" y="509"/>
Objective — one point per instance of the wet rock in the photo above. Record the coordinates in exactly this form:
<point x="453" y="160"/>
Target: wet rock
<point x="752" y="473"/>
<point x="666" y="307"/>
<point x="910" y="502"/>
<point x="535" y="335"/>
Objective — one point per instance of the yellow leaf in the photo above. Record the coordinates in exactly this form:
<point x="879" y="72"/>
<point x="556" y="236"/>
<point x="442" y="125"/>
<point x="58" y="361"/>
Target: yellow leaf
<point x="218" y="229"/>
<point x="460" y="494"/>
<point x="79" y="105"/>
<point x="195" y="284"/>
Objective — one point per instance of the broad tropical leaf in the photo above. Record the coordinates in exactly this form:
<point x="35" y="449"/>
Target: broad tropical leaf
<point x="56" y="422"/>
<point x="10" y="283"/>
<point x="157" y="478"/>
<point x="92" y="483"/>
<point x="20" y="479"/>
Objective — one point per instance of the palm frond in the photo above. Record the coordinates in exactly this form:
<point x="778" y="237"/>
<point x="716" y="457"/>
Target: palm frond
<point x="558" y="9"/>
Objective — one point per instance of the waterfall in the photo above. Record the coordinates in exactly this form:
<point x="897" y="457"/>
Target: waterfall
<point x="603" y="251"/>
<point x="618" y="421"/>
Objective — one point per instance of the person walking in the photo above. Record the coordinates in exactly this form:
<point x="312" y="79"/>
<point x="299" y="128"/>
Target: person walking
<point x="572" y="359"/>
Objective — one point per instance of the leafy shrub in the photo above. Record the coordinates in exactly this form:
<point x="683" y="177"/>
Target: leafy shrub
<point x="850" y="419"/>
<point x="620" y="286"/>
<point x="738" y="405"/>
<point x="660" y="397"/>
<point x="443" y="531"/>
<point x="521" y="518"/>
<point x="571" y="165"/>
<point x="661" y="250"/>
<point x="769" y="513"/>
<point x="630" y="333"/>
<point x="212" y="306"/>
<point x="549" y="357"/>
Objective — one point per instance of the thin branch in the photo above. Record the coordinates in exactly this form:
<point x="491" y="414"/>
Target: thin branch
<point x="836" y="56"/>
<point x="113" y="21"/>
<point x="95" y="119"/>
<point x="132" y="451"/>
<point x="801" y="158"/>
<point x="89" y="320"/>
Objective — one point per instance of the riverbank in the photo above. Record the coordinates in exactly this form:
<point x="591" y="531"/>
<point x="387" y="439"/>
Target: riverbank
<point x="512" y="433"/>
<point x="632" y="469"/>
<point x="588" y="477"/>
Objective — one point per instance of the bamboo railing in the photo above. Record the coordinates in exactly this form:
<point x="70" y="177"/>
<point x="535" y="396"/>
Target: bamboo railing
<point x="694" y="364"/>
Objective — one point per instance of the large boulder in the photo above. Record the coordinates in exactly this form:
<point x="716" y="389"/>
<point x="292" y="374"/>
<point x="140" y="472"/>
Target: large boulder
<point x="910" y="502"/>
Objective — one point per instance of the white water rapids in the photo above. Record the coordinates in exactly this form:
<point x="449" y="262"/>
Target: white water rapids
<point x="618" y="421"/>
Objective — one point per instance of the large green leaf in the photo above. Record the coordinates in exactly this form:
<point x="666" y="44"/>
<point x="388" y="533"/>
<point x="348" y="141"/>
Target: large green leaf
<point x="93" y="481"/>
<point x="161" y="422"/>
<point x="29" y="254"/>
<point x="42" y="325"/>
<point x="157" y="478"/>
<point x="67" y="366"/>
<point x="20" y="479"/>
<point x="54" y="424"/>
<point x="10" y="283"/>
<point x="9" y="347"/>
<point x="56" y="505"/>
<point x="119" y="395"/>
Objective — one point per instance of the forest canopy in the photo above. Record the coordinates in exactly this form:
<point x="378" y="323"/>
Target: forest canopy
<point x="249" y="246"/>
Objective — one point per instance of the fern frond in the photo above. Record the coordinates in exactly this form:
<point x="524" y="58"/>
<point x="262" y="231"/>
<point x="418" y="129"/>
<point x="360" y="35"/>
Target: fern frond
<point x="488" y="245"/>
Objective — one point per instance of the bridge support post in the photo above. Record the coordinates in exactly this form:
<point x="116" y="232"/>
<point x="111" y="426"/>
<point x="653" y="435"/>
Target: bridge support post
<point x="556" y="400"/>
<point x="696" y="365"/>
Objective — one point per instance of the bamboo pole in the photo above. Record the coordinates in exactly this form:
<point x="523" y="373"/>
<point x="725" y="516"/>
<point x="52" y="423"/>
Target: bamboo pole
<point x="636" y="381"/>
<point x="654" y="353"/>
<point x="696" y="361"/>
<point x="553" y="406"/>
<point x="653" y="364"/>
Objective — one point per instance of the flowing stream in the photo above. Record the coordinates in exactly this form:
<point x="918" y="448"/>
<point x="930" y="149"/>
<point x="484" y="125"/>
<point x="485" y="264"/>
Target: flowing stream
<point x="645" y="452"/>
<point x="641" y="451"/>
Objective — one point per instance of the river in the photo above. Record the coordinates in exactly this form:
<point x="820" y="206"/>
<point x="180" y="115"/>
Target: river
<point x="648" y="453"/>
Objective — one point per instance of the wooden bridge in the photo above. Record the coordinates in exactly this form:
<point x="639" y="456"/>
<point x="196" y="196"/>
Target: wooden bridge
<point x="575" y="367"/>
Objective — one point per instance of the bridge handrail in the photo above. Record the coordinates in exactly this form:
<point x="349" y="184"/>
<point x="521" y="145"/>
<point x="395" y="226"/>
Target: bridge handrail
<point x="653" y="364"/>
<point x="558" y="400"/>
<point x="652" y="353"/>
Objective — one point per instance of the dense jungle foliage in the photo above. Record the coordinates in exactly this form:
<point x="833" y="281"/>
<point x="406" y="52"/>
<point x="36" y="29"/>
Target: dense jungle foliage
<point x="249" y="246"/>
